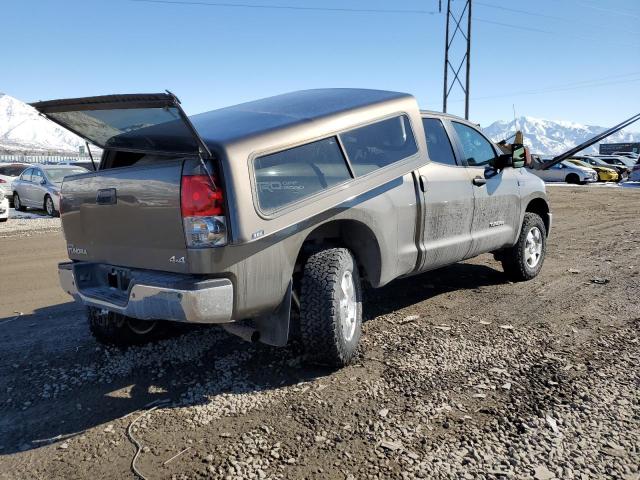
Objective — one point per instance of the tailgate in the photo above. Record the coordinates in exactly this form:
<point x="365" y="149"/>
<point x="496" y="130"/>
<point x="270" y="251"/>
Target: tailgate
<point x="126" y="216"/>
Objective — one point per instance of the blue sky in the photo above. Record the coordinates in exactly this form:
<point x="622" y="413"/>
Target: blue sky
<point x="574" y="60"/>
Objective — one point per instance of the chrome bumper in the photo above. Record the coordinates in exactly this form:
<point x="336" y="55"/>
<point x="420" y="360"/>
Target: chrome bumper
<point x="208" y="301"/>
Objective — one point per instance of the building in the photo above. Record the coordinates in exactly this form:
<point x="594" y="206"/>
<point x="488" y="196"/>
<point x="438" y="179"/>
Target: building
<point x="609" y="148"/>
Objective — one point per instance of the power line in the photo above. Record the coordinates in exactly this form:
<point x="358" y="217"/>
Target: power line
<point x="287" y="7"/>
<point x="542" y="15"/>
<point x="564" y="87"/>
<point x="551" y="32"/>
<point x="608" y="10"/>
<point x="515" y="10"/>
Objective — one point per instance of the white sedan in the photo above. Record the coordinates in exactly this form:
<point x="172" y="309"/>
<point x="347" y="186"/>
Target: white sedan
<point x="566" y="172"/>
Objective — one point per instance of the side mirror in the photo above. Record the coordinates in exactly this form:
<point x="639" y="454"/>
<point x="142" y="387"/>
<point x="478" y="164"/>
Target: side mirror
<point x="501" y="162"/>
<point x="519" y="157"/>
<point x="43" y="182"/>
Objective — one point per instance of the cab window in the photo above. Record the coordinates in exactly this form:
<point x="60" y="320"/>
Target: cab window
<point x="438" y="143"/>
<point x="476" y="149"/>
<point x="379" y="144"/>
<point x="292" y="175"/>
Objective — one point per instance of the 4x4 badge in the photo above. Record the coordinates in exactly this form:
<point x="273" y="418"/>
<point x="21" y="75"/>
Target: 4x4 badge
<point x="175" y="259"/>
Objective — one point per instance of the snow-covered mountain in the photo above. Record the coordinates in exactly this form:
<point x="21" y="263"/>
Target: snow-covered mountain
<point x="22" y="129"/>
<point x="549" y="137"/>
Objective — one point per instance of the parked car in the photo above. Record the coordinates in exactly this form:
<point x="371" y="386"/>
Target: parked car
<point x="635" y="173"/>
<point x="615" y="160"/>
<point x="4" y="207"/>
<point x="8" y="173"/>
<point x="39" y="187"/>
<point x="564" y="172"/>
<point x="622" y="170"/>
<point x="239" y="215"/>
<point x="631" y="155"/>
<point x="605" y="174"/>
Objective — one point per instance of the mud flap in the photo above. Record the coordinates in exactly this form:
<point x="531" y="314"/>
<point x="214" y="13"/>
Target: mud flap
<point x="274" y="328"/>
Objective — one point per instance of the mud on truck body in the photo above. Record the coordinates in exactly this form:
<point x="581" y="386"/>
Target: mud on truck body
<point x="243" y="215"/>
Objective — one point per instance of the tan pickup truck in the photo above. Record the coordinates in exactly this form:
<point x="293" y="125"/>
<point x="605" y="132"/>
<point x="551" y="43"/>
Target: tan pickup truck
<point x="291" y="204"/>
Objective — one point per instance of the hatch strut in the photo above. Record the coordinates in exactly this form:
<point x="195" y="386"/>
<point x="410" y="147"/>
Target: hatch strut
<point x="90" y="156"/>
<point x="203" y="150"/>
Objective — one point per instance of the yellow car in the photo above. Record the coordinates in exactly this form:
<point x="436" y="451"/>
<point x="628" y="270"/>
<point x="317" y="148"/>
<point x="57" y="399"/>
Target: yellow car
<point x="604" y="174"/>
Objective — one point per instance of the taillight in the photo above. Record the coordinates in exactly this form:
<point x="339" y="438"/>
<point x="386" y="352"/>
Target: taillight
<point x="2" y="181"/>
<point x="202" y="206"/>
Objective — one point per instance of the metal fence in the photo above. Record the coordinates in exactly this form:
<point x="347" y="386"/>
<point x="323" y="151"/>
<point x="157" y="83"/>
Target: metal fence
<point x="26" y="158"/>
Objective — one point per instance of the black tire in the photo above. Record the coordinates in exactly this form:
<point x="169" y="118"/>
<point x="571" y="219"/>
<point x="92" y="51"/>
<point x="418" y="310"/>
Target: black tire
<point x="514" y="261"/>
<point x="321" y="317"/>
<point x="2" y="220"/>
<point x="573" y="178"/>
<point x="17" y="204"/>
<point x="111" y="328"/>
<point x="49" y="207"/>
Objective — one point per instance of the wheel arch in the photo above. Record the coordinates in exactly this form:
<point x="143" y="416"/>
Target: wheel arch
<point x="354" y="235"/>
<point x="540" y="207"/>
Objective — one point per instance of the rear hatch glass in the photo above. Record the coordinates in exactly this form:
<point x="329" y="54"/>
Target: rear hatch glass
<point x="139" y="122"/>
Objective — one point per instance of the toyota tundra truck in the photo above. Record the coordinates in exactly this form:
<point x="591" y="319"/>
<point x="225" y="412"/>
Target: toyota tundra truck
<point x="271" y="217"/>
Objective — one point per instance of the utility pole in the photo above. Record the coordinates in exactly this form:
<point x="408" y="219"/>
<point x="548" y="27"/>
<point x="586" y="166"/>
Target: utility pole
<point x="458" y="20"/>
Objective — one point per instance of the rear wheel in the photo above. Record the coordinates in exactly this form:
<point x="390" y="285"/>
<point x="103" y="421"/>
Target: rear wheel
<point x="524" y="260"/>
<point x="111" y="328"/>
<point x="331" y="307"/>
<point x="17" y="203"/>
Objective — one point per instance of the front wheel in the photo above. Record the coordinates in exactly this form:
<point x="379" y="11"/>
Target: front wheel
<point x="331" y="307"/>
<point x="49" y="207"/>
<point x="524" y="260"/>
<point x="573" y="178"/>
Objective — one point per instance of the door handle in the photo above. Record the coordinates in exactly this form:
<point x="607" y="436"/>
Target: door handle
<point x="479" y="181"/>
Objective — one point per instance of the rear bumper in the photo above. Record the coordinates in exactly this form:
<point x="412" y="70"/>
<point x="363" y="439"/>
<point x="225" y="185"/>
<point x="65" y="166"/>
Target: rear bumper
<point x="155" y="296"/>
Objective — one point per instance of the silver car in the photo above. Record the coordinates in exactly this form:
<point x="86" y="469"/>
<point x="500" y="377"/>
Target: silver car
<point x="39" y="187"/>
<point x="565" y="172"/>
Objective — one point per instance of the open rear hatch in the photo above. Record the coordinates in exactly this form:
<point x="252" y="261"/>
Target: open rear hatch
<point x="129" y="216"/>
<point x="145" y="122"/>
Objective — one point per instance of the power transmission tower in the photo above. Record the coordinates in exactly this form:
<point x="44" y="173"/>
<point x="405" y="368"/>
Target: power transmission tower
<point x="459" y="20"/>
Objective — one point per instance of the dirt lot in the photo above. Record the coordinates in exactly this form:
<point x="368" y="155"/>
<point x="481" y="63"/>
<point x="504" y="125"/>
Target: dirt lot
<point x="461" y="375"/>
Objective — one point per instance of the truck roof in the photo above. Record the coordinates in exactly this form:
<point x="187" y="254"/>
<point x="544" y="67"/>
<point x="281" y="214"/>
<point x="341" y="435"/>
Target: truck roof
<point x="231" y="124"/>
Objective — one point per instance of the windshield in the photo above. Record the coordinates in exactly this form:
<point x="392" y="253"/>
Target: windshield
<point x="56" y="175"/>
<point x="580" y="163"/>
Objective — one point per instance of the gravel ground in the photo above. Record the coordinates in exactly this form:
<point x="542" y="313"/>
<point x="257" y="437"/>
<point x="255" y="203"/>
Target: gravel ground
<point x="25" y="224"/>
<point x="461" y="374"/>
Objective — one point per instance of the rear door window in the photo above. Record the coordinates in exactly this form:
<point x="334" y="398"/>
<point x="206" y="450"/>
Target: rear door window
<point x="476" y="149"/>
<point x="379" y="144"/>
<point x="297" y="173"/>
<point x="438" y="143"/>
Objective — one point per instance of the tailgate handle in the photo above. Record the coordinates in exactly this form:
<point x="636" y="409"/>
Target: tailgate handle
<point x="107" y="196"/>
